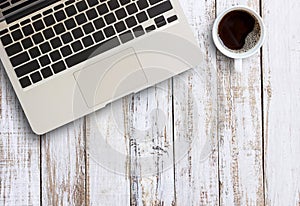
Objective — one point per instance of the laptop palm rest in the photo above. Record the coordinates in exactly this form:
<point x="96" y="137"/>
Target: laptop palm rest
<point x="110" y="78"/>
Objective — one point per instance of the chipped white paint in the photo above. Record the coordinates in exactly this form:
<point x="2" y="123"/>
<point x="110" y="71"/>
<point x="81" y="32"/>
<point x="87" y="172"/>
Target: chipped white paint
<point x="240" y="126"/>
<point x="19" y="152"/>
<point x="281" y="65"/>
<point x="195" y="139"/>
<point x="195" y="116"/>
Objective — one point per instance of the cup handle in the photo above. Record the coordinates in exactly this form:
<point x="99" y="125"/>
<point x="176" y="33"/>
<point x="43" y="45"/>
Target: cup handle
<point x="238" y="65"/>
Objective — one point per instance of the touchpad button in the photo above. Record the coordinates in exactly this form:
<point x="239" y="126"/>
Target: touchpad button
<point x="110" y="78"/>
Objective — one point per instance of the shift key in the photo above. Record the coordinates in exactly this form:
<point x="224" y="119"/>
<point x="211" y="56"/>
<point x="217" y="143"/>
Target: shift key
<point x="27" y="68"/>
<point x="19" y="59"/>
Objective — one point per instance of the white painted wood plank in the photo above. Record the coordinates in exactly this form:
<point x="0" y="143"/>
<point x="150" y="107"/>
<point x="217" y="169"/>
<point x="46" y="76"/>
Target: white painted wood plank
<point x="108" y="157"/>
<point x="195" y="116"/>
<point x="240" y="127"/>
<point x="281" y="60"/>
<point x="63" y="165"/>
<point x="149" y="127"/>
<point x="19" y="151"/>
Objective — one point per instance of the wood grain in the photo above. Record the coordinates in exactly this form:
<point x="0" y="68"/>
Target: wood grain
<point x="240" y="127"/>
<point x="195" y="116"/>
<point x="19" y="151"/>
<point x="63" y="165"/>
<point x="108" y="157"/>
<point x="210" y="136"/>
<point x="281" y="60"/>
<point x="149" y="127"/>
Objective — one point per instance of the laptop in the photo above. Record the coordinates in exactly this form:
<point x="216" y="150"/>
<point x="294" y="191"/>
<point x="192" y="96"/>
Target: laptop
<point x="66" y="59"/>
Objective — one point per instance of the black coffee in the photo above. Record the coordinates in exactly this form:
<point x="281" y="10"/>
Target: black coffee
<point x="235" y="28"/>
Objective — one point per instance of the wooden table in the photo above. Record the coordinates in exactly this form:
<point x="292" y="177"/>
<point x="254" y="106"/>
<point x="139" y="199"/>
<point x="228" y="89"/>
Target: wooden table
<point x="207" y="137"/>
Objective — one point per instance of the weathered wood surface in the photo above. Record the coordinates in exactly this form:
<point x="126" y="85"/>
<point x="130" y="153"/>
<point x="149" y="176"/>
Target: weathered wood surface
<point x="240" y="126"/>
<point x="209" y="136"/>
<point x="281" y="74"/>
<point x="19" y="152"/>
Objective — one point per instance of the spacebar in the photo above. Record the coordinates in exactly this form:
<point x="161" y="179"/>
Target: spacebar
<point x="93" y="51"/>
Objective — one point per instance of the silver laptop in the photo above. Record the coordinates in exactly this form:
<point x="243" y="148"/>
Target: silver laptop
<point x="66" y="59"/>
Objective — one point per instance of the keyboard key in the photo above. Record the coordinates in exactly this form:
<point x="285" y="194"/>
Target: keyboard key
<point x="55" y="43"/>
<point x="160" y="21"/>
<point x="48" y="33"/>
<point x="109" y="18"/>
<point x="138" y="31"/>
<point x="81" y="6"/>
<point x="58" y="7"/>
<point x="27" y="68"/>
<point x="91" y="14"/>
<point x="26" y="21"/>
<point x="36" y="77"/>
<point x="66" y="38"/>
<point x="154" y="1"/>
<point x="88" y="28"/>
<point x="70" y="11"/>
<point x="76" y="46"/>
<point x="46" y="72"/>
<point x="36" y="17"/>
<point x="98" y="36"/>
<point x="120" y="26"/>
<point x="130" y="22"/>
<point x="49" y="11"/>
<point x="4" y="31"/>
<point x="124" y="2"/>
<point x="131" y="8"/>
<point x="92" y="2"/>
<point x="34" y="52"/>
<point x="77" y="33"/>
<point x="150" y="28"/>
<point x="38" y="25"/>
<point x="19" y="59"/>
<point x="87" y="41"/>
<point x="13" y="49"/>
<point x="17" y="35"/>
<point x="55" y="56"/>
<point x="27" y="43"/>
<point x="58" y="67"/>
<point x="70" y="24"/>
<point x="59" y="28"/>
<point x="37" y="38"/>
<point x="141" y="17"/>
<point x="99" y="23"/>
<point x="49" y="20"/>
<point x="109" y="31"/>
<point x="92" y="51"/>
<point x="59" y="16"/>
<point x="159" y="9"/>
<point x="142" y="4"/>
<point x="14" y="27"/>
<point x="102" y="9"/>
<point x="45" y="47"/>
<point x="126" y="36"/>
<point x="121" y="13"/>
<point x="172" y="18"/>
<point x="25" y="82"/>
<point x="27" y="30"/>
<point x="6" y="40"/>
<point x="113" y="4"/>
<point x="44" y="60"/>
<point x="80" y="19"/>
<point x="66" y="51"/>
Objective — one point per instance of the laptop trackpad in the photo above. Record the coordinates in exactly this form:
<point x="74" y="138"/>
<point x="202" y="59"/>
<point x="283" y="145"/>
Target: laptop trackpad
<point x="110" y="78"/>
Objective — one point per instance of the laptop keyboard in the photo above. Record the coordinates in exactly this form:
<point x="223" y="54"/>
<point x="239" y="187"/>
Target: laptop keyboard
<point x="70" y="33"/>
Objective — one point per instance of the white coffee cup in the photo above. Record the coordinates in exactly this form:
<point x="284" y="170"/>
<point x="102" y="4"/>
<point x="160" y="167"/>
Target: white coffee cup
<point x="235" y="55"/>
